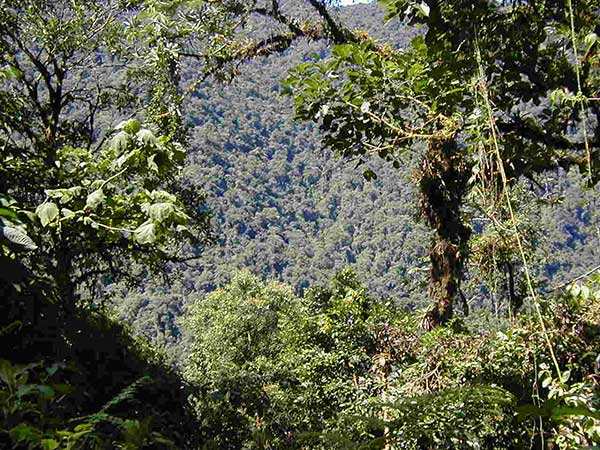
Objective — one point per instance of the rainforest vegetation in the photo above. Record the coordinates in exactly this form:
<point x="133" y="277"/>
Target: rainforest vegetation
<point x="299" y="224"/>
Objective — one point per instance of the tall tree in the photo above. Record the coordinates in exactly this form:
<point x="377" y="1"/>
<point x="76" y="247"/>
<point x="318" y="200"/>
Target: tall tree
<point x="494" y="91"/>
<point x="91" y="131"/>
<point x="92" y="140"/>
<point x="91" y="127"/>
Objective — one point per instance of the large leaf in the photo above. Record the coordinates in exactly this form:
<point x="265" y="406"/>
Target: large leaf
<point x="527" y="411"/>
<point x="145" y="233"/>
<point x="159" y="212"/>
<point x="566" y="411"/>
<point x="66" y="212"/>
<point x="40" y="389"/>
<point x="18" y="237"/>
<point x="95" y="199"/>
<point x="9" y="213"/>
<point x="130" y="126"/>
<point x="7" y="372"/>
<point x="5" y="200"/>
<point x="63" y="195"/>
<point x="162" y="196"/>
<point x="423" y="9"/>
<point x="49" y="444"/>
<point x="47" y="212"/>
<point x="146" y="137"/>
<point x="120" y="142"/>
<point x="25" y="433"/>
<point x="151" y="164"/>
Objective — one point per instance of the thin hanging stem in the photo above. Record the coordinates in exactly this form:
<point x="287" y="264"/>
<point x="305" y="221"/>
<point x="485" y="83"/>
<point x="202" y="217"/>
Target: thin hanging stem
<point x="505" y="185"/>
<point x="580" y="98"/>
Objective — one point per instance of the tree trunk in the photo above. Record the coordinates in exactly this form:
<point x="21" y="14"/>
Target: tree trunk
<point x="443" y="179"/>
<point x="515" y="300"/>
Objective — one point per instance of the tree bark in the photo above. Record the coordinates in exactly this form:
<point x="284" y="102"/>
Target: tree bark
<point x="443" y="179"/>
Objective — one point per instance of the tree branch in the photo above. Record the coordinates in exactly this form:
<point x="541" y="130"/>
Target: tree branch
<point x="339" y="33"/>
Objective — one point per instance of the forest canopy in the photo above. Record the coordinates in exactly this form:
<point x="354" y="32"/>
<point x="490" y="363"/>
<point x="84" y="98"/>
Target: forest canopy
<point x="149" y="152"/>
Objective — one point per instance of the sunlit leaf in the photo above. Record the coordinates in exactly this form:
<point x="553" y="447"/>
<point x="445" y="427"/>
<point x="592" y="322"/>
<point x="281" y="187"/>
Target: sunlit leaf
<point x="129" y="126"/>
<point x="47" y="212"/>
<point x="151" y="164"/>
<point x="95" y="199"/>
<point x="18" y="237"/>
<point x="159" y="212"/>
<point x="423" y="9"/>
<point x="120" y="141"/>
<point x="145" y="233"/>
<point x="49" y="444"/>
<point x="67" y="212"/>
<point x="9" y="213"/>
<point x="146" y="137"/>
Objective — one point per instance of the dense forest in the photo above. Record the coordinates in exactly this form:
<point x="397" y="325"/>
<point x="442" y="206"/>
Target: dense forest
<point x="296" y="224"/>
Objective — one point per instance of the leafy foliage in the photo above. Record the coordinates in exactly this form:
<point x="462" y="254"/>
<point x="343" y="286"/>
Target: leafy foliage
<point x="118" y="190"/>
<point x="28" y="413"/>
<point x="286" y="209"/>
<point x="338" y="370"/>
<point x="82" y="198"/>
<point x="92" y="139"/>
<point x="281" y="366"/>
<point x="370" y="99"/>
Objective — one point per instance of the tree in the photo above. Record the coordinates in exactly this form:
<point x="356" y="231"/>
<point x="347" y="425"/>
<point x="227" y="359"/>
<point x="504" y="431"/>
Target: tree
<point x="492" y="99"/>
<point x="277" y="370"/>
<point x="92" y="131"/>
<point x="92" y="140"/>
<point x="235" y="355"/>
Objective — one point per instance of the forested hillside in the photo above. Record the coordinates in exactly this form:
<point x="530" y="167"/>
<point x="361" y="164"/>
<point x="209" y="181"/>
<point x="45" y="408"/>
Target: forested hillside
<point x="265" y="224"/>
<point x="285" y="208"/>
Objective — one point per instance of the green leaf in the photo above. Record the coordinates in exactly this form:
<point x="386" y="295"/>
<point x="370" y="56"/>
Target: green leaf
<point x="145" y="233"/>
<point x="159" y="212"/>
<point x="342" y="50"/>
<point x="95" y="199"/>
<point x="574" y="289"/>
<point x="527" y="411"/>
<point x="6" y="201"/>
<point x="47" y="212"/>
<point x="120" y="142"/>
<point x="67" y="212"/>
<point x="590" y="40"/>
<point x="163" y="196"/>
<point x="14" y="72"/>
<point x="8" y="213"/>
<point x="24" y="432"/>
<point x="130" y="126"/>
<point x="41" y="389"/>
<point x="565" y="411"/>
<point x="10" y="72"/>
<point x="46" y="390"/>
<point x="546" y="382"/>
<point x="62" y="195"/>
<point x="7" y="372"/>
<point x="146" y="137"/>
<point x="151" y="164"/>
<point x="18" y="237"/>
<point x="49" y="444"/>
<point x="121" y="160"/>
<point x="423" y="9"/>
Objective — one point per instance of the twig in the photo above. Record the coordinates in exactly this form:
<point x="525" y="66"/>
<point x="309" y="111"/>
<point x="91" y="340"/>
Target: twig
<point x="584" y="275"/>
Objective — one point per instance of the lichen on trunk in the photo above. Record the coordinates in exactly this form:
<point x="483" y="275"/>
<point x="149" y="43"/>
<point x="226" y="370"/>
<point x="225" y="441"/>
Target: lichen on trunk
<point x="443" y="178"/>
